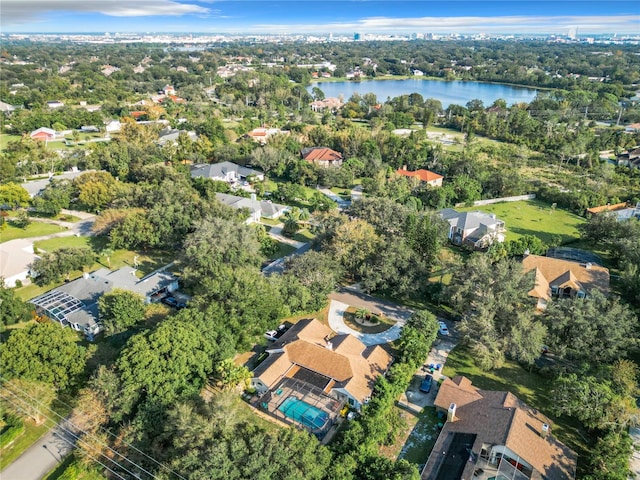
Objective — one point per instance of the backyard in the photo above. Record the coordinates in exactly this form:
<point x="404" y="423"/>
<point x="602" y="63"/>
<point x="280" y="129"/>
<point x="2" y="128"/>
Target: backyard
<point x="534" y="217"/>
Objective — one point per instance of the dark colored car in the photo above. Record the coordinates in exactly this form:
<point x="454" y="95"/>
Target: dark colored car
<point x="425" y="385"/>
<point x="173" y="302"/>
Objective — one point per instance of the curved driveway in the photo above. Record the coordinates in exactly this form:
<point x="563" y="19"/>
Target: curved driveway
<point x="345" y="297"/>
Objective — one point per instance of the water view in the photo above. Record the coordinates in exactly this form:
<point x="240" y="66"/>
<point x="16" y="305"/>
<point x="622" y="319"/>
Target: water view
<point x="455" y="92"/>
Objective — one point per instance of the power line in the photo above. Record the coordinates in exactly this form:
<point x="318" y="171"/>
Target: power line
<point x="64" y="430"/>
<point x="79" y="439"/>
<point x="105" y="430"/>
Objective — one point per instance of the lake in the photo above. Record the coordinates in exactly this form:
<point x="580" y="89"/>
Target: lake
<point x="455" y="92"/>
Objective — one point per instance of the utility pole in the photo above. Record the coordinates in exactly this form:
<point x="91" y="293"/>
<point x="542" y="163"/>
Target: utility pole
<point x="619" y="116"/>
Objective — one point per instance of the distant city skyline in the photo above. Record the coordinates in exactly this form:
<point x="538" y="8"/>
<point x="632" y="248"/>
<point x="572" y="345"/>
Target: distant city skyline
<point x="321" y="17"/>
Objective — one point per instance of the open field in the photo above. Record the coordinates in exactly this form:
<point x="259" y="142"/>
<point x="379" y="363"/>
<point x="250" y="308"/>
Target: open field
<point x="73" y="467"/>
<point x="528" y="386"/>
<point x="534" y="217"/>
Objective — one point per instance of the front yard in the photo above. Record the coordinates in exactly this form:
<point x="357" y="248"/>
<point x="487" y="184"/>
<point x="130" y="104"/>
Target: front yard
<point x="34" y="229"/>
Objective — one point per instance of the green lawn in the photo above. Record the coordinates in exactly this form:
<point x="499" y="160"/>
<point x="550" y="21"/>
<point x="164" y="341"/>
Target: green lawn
<point x="528" y="386"/>
<point x="533" y="217"/>
<point x="73" y="468"/>
<point x="304" y="235"/>
<point x="284" y="249"/>
<point x="422" y="438"/>
<point x="32" y="433"/>
<point x="61" y="242"/>
<point x="5" y="139"/>
<point x="270" y="221"/>
<point x="34" y="229"/>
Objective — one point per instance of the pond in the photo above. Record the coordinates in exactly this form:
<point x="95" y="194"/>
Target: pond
<point x="448" y="92"/>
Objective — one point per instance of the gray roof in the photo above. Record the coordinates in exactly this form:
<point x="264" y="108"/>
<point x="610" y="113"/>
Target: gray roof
<point x="220" y="170"/>
<point x="468" y="220"/>
<point x="170" y="135"/>
<point x="265" y="208"/>
<point x="36" y="186"/>
<point x="77" y="301"/>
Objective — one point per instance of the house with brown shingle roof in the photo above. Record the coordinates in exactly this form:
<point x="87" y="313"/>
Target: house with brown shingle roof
<point x="337" y="366"/>
<point x="559" y="278"/>
<point x="490" y="434"/>
<point x="322" y="156"/>
<point x="426" y="176"/>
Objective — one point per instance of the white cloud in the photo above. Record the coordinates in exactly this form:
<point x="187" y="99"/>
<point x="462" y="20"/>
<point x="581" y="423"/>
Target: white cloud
<point x="23" y="11"/>
<point x="505" y="24"/>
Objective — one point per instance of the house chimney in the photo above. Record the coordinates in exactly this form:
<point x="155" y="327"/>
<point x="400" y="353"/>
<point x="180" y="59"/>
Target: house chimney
<point x="526" y="253"/>
<point x="451" y="413"/>
<point x="545" y="430"/>
<point x="253" y="197"/>
<point x="404" y="167"/>
<point x="329" y="346"/>
<point x="588" y="266"/>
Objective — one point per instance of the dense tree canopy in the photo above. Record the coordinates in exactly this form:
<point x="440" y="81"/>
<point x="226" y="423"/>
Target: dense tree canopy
<point x="44" y="352"/>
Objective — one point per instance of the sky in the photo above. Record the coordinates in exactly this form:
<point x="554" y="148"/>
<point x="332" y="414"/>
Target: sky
<point x="312" y="16"/>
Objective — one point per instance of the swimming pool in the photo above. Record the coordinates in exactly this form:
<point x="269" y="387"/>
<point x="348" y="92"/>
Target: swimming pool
<point x="308" y="415"/>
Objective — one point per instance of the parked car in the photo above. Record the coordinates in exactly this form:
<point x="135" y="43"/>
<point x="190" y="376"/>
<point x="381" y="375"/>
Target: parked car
<point x="173" y="302"/>
<point x="443" y="329"/>
<point x="425" y="384"/>
<point x="271" y="335"/>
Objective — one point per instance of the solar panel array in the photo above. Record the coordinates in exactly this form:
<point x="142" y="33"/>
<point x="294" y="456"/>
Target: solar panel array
<point x="58" y="305"/>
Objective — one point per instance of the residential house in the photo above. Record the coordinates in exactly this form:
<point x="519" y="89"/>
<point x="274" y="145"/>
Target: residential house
<point x="43" y="134"/>
<point x="6" y="108"/>
<point x="55" y="104"/>
<point x="555" y="277"/>
<point x="426" y="176"/>
<point x="418" y="73"/>
<point x="340" y="367"/>
<point x="256" y="208"/>
<point x="225" y="172"/>
<point x="262" y="134"/>
<point x="75" y="304"/>
<point x="113" y="126"/>
<point x="476" y="229"/>
<point x="34" y="187"/>
<point x="494" y="435"/>
<point x="629" y="158"/>
<point x="171" y="135"/>
<point x="169" y="90"/>
<point x="15" y="258"/>
<point x="333" y="104"/>
<point x="632" y="128"/>
<point x="322" y="156"/>
<point x="622" y="211"/>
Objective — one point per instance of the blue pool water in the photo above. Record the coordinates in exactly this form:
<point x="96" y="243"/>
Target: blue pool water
<point x="308" y="415"/>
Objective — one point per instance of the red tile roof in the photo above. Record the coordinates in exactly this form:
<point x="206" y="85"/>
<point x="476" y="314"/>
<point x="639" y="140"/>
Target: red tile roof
<point x="423" y="175"/>
<point x="322" y="154"/>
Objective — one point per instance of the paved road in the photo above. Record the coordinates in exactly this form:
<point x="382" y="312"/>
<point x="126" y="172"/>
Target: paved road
<point x="41" y="457"/>
<point x="278" y="265"/>
<point x="353" y="297"/>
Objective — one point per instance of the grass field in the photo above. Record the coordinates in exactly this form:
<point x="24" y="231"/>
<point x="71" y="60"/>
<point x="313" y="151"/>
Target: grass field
<point x="5" y="139"/>
<point x="533" y="217"/>
<point x="304" y="235"/>
<point x="284" y="249"/>
<point x="34" y="229"/>
<point x="528" y="386"/>
<point x="32" y="433"/>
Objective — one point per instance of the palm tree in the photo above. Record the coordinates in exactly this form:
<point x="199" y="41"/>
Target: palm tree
<point x="362" y="314"/>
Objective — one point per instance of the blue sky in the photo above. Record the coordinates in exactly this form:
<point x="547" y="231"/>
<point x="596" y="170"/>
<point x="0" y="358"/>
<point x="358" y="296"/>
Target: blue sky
<point x="308" y="16"/>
